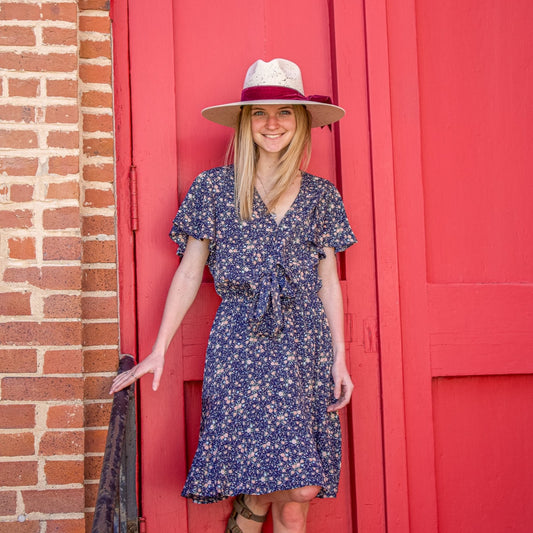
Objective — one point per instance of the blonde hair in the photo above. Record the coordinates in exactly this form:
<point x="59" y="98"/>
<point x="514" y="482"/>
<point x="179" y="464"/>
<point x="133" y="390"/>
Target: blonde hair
<point x="246" y="154"/>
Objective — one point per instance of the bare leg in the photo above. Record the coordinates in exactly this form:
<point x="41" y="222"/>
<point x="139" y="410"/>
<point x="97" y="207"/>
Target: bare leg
<point x="289" y="509"/>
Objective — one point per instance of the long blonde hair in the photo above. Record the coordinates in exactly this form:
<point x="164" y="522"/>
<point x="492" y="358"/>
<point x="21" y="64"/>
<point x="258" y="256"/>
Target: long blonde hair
<point x="246" y="154"/>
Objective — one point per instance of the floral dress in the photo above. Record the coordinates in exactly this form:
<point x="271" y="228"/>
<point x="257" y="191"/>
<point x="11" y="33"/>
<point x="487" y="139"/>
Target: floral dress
<point x="267" y="378"/>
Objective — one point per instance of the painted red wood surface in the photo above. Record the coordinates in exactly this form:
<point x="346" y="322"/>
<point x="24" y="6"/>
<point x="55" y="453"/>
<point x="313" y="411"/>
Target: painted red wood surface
<point x="178" y="67"/>
<point x="460" y="118"/>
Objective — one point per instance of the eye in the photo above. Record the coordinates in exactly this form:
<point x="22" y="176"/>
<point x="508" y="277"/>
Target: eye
<point x="258" y="113"/>
<point x="286" y="112"/>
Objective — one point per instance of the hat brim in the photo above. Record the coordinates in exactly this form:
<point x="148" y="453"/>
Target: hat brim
<point x="227" y="114"/>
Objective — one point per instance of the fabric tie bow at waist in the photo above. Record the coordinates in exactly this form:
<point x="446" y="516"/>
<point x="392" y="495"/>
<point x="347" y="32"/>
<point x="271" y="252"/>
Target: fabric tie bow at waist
<point x="267" y="315"/>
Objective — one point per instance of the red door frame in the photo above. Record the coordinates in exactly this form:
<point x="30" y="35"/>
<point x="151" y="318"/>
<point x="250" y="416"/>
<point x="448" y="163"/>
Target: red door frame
<point x="374" y="24"/>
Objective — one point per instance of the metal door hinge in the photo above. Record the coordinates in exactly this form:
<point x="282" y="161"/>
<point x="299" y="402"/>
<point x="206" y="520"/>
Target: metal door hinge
<point x="134" y="207"/>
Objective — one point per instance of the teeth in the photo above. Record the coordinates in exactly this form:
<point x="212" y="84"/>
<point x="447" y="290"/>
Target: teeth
<point x="273" y="136"/>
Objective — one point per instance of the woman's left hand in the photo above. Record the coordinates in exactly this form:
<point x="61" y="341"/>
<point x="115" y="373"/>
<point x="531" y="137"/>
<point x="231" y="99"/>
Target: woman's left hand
<point x="343" y="386"/>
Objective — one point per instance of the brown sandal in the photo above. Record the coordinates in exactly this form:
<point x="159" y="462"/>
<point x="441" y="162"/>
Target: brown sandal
<point x="240" y="508"/>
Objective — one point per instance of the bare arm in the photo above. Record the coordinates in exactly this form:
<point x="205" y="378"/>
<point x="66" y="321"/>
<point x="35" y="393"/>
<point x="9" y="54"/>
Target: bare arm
<point x="181" y="294"/>
<point x="331" y="297"/>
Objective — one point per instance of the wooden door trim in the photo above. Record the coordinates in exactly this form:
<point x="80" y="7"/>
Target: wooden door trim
<point x="410" y="234"/>
<point x="123" y="162"/>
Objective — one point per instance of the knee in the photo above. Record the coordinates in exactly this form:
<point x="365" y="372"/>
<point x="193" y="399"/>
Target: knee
<point x="293" y="516"/>
<point x="304" y="494"/>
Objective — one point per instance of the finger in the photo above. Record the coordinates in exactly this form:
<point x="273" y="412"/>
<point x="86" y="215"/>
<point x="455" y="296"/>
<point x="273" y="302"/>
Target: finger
<point x="337" y="391"/>
<point x="157" y="378"/>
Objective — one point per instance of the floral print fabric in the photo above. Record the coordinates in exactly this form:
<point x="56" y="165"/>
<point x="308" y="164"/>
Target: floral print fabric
<point x="267" y="378"/>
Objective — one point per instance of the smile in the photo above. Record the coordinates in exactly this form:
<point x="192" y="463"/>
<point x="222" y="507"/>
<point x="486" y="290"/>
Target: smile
<point x="270" y="136"/>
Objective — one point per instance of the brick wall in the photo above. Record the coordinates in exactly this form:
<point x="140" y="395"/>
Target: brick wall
<point x="58" y="272"/>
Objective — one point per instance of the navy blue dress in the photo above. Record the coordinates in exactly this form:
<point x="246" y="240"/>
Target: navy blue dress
<point x="267" y="378"/>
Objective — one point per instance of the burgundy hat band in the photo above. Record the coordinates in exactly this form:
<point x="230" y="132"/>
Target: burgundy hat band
<point x="273" y="92"/>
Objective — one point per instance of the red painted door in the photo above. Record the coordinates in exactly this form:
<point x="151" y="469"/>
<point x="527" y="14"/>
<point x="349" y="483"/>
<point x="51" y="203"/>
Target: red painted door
<point x="186" y="55"/>
<point x="453" y="131"/>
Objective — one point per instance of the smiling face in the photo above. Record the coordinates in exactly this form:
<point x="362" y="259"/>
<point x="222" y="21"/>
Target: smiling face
<point x="273" y="127"/>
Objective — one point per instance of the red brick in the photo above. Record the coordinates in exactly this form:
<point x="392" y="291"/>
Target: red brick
<point x="21" y="11"/>
<point x="21" y="218"/>
<point x="62" y="306"/>
<point x="29" y="275"/>
<point x="65" y="416"/>
<point x="97" y="387"/>
<point x="18" y="139"/>
<point x="97" y="414"/>
<point x="95" y="440"/>
<point x="67" y="526"/>
<point x="103" y="172"/>
<point x="17" y="417"/>
<point x="53" y="501"/>
<point x="29" y="526"/>
<point x="97" y="99"/>
<point x="20" y="192"/>
<point x="60" y="36"/>
<point x="19" y="166"/>
<point x="61" y="443"/>
<point x="98" y="147"/>
<point x="62" y="114"/>
<point x="60" y="277"/>
<point x="94" y="5"/>
<point x="91" y="493"/>
<point x="93" y="123"/>
<point x="8" y="503"/>
<point x="63" y="472"/>
<point x="63" y="361"/>
<point x="100" y="333"/>
<point x="41" y="334"/>
<point x="94" y="49"/>
<point x="61" y="248"/>
<point x="98" y="225"/>
<point x="99" y="279"/>
<point x="18" y="473"/>
<point x="21" y="248"/>
<point x="33" y="62"/>
<point x="94" y="24"/>
<point x="99" y="198"/>
<point x="52" y="277"/>
<point x="67" y="12"/>
<point x="17" y="113"/>
<point x="13" y="444"/>
<point x="99" y="307"/>
<point x="100" y="360"/>
<point x="63" y="166"/>
<point x="41" y="389"/>
<point x="66" y="190"/>
<point x="63" y="139"/>
<point x="95" y="73"/>
<point x="99" y="252"/>
<point x="93" y="467"/>
<point x="16" y="36"/>
<point x="15" y="303"/>
<point x="18" y="361"/>
<point x="29" y="88"/>
<point x="64" y="88"/>
<point x="61" y="218"/>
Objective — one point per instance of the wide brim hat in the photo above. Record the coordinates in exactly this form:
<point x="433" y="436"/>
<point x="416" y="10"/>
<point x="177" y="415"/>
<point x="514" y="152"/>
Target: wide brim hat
<point x="275" y="82"/>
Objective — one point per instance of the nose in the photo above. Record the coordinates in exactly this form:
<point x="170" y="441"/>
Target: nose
<point x="272" y="120"/>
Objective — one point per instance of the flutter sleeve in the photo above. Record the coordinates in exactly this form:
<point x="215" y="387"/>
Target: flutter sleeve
<point x="333" y="229"/>
<point x="196" y="215"/>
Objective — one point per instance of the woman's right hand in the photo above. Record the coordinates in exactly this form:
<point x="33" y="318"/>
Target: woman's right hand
<point x="153" y="364"/>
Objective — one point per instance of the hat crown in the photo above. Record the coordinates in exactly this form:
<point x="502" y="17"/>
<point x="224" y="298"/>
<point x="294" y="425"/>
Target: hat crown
<point x="277" y="73"/>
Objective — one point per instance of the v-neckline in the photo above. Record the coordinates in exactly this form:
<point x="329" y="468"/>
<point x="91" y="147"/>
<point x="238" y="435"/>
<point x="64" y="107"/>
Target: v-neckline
<point x="290" y="208"/>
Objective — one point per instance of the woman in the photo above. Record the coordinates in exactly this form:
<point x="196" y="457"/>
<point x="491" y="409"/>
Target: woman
<point x="275" y="372"/>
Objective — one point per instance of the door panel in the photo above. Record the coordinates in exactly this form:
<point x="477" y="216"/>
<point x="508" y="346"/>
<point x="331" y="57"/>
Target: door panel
<point x="460" y="117"/>
<point x="187" y="55"/>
